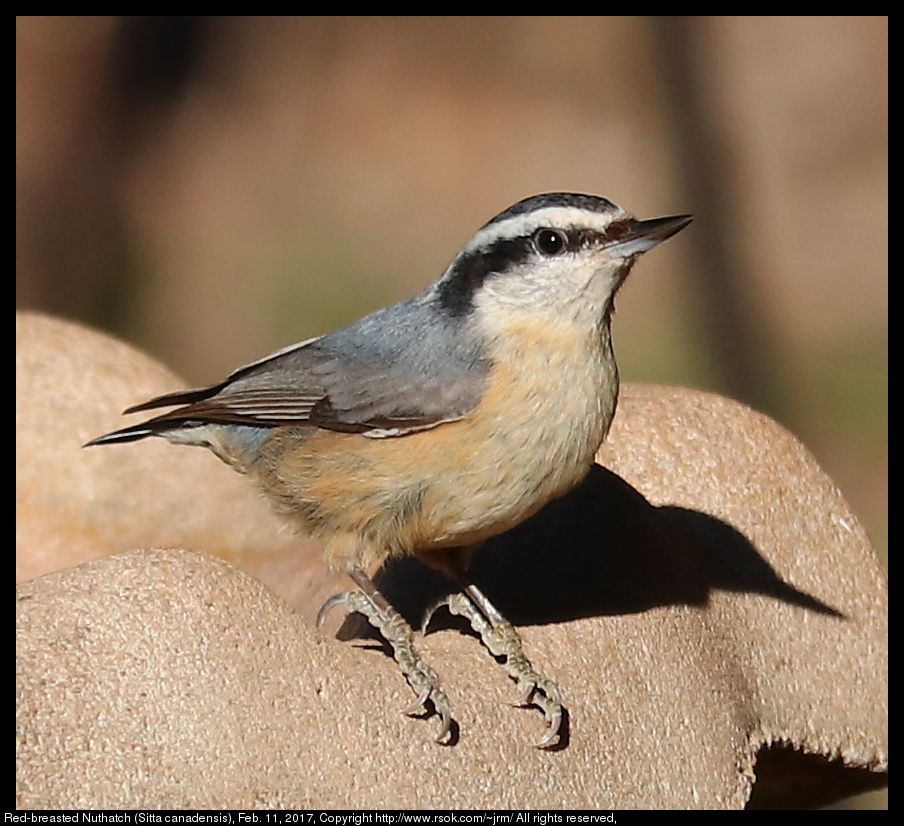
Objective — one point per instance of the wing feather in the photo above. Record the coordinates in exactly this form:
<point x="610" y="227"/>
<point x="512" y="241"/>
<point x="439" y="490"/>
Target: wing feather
<point x="365" y="378"/>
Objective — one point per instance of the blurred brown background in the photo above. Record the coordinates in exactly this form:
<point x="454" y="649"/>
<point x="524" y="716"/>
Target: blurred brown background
<point x="212" y="189"/>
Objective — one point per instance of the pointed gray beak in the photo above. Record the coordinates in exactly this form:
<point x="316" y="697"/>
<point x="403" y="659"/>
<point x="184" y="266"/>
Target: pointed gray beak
<point x="634" y="237"/>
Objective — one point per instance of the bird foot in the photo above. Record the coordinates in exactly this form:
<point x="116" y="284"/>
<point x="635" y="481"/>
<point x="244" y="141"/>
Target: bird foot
<point x="392" y="626"/>
<point x="502" y="640"/>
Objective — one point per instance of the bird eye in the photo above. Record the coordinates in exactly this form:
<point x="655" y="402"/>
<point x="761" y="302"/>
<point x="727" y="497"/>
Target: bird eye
<point x="550" y="241"/>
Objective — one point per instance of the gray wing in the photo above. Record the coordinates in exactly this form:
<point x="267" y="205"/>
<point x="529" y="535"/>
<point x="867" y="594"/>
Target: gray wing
<point x="402" y="369"/>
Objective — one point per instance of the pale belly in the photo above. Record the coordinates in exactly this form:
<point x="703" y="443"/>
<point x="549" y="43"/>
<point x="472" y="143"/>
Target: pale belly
<point x="453" y="485"/>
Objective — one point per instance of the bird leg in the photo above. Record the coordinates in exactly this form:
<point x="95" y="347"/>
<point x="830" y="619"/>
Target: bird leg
<point x="398" y="633"/>
<point x="501" y="638"/>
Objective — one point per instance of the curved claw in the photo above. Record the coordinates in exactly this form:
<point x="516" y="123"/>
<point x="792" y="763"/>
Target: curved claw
<point x="555" y="723"/>
<point x="445" y="715"/>
<point x="419" y="705"/>
<point x="330" y="604"/>
<point x="526" y="698"/>
<point x="440" y="705"/>
<point x="552" y="711"/>
<point x="428" y="614"/>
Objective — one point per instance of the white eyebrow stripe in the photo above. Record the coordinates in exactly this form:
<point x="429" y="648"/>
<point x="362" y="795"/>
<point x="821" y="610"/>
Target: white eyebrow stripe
<point x="554" y="216"/>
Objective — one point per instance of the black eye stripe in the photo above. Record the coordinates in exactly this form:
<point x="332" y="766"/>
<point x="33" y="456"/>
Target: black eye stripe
<point x="471" y="269"/>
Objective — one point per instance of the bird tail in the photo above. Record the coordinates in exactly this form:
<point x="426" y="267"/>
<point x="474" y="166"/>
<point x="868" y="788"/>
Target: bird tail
<point x="127" y="434"/>
<point x="156" y="426"/>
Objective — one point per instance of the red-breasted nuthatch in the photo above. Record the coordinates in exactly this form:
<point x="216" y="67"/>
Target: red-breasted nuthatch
<point x="431" y="425"/>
